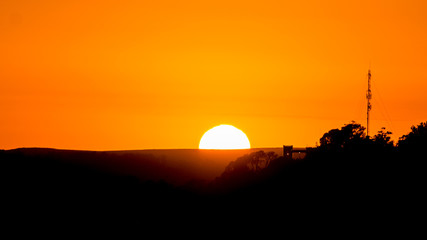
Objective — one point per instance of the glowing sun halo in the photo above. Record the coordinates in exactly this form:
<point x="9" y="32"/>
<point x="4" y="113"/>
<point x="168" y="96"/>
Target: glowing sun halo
<point x="224" y="137"/>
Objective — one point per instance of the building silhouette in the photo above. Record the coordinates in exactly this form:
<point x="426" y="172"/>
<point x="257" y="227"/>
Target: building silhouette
<point x="291" y="153"/>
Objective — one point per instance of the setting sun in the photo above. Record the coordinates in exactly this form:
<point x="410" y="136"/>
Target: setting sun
<point x="224" y="137"/>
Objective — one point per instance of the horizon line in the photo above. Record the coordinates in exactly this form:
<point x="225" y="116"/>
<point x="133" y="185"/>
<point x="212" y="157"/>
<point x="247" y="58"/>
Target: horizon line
<point x="144" y="149"/>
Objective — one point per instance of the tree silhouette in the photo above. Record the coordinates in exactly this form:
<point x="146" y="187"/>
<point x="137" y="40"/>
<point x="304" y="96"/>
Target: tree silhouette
<point x="416" y="140"/>
<point x="270" y="156"/>
<point x="382" y="139"/>
<point x="253" y="162"/>
<point x="349" y="134"/>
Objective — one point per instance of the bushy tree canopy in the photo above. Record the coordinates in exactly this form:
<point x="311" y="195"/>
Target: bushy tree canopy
<point x="352" y="133"/>
<point x="415" y="140"/>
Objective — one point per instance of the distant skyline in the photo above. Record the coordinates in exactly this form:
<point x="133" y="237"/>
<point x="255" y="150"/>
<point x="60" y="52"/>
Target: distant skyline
<point x="110" y="75"/>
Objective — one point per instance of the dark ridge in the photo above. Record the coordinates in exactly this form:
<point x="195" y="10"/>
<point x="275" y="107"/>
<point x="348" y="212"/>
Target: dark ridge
<point x="350" y="178"/>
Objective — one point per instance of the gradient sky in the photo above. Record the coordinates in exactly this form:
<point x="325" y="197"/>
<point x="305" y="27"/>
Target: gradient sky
<point x="105" y="75"/>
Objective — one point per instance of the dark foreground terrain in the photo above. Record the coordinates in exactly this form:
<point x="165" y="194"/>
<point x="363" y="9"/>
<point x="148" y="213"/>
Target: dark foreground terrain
<point x="348" y="182"/>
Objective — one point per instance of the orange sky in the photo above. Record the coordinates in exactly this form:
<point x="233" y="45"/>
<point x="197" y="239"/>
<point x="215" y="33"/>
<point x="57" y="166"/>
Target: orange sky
<point x="105" y="75"/>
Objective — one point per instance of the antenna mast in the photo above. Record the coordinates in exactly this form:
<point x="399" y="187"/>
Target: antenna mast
<point x="368" y="97"/>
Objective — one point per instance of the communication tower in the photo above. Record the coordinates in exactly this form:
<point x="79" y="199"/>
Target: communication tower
<point x="368" y="97"/>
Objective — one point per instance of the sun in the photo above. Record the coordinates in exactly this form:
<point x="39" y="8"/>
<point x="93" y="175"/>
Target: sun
<point x="224" y="137"/>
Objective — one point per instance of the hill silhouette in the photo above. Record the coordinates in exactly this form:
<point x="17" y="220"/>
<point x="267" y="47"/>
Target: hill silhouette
<point x="174" y="166"/>
<point x="124" y="184"/>
<point x="348" y="177"/>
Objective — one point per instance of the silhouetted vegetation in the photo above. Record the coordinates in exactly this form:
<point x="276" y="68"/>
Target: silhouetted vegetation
<point x="415" y="141"/>
<point x="348" y="174"/>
